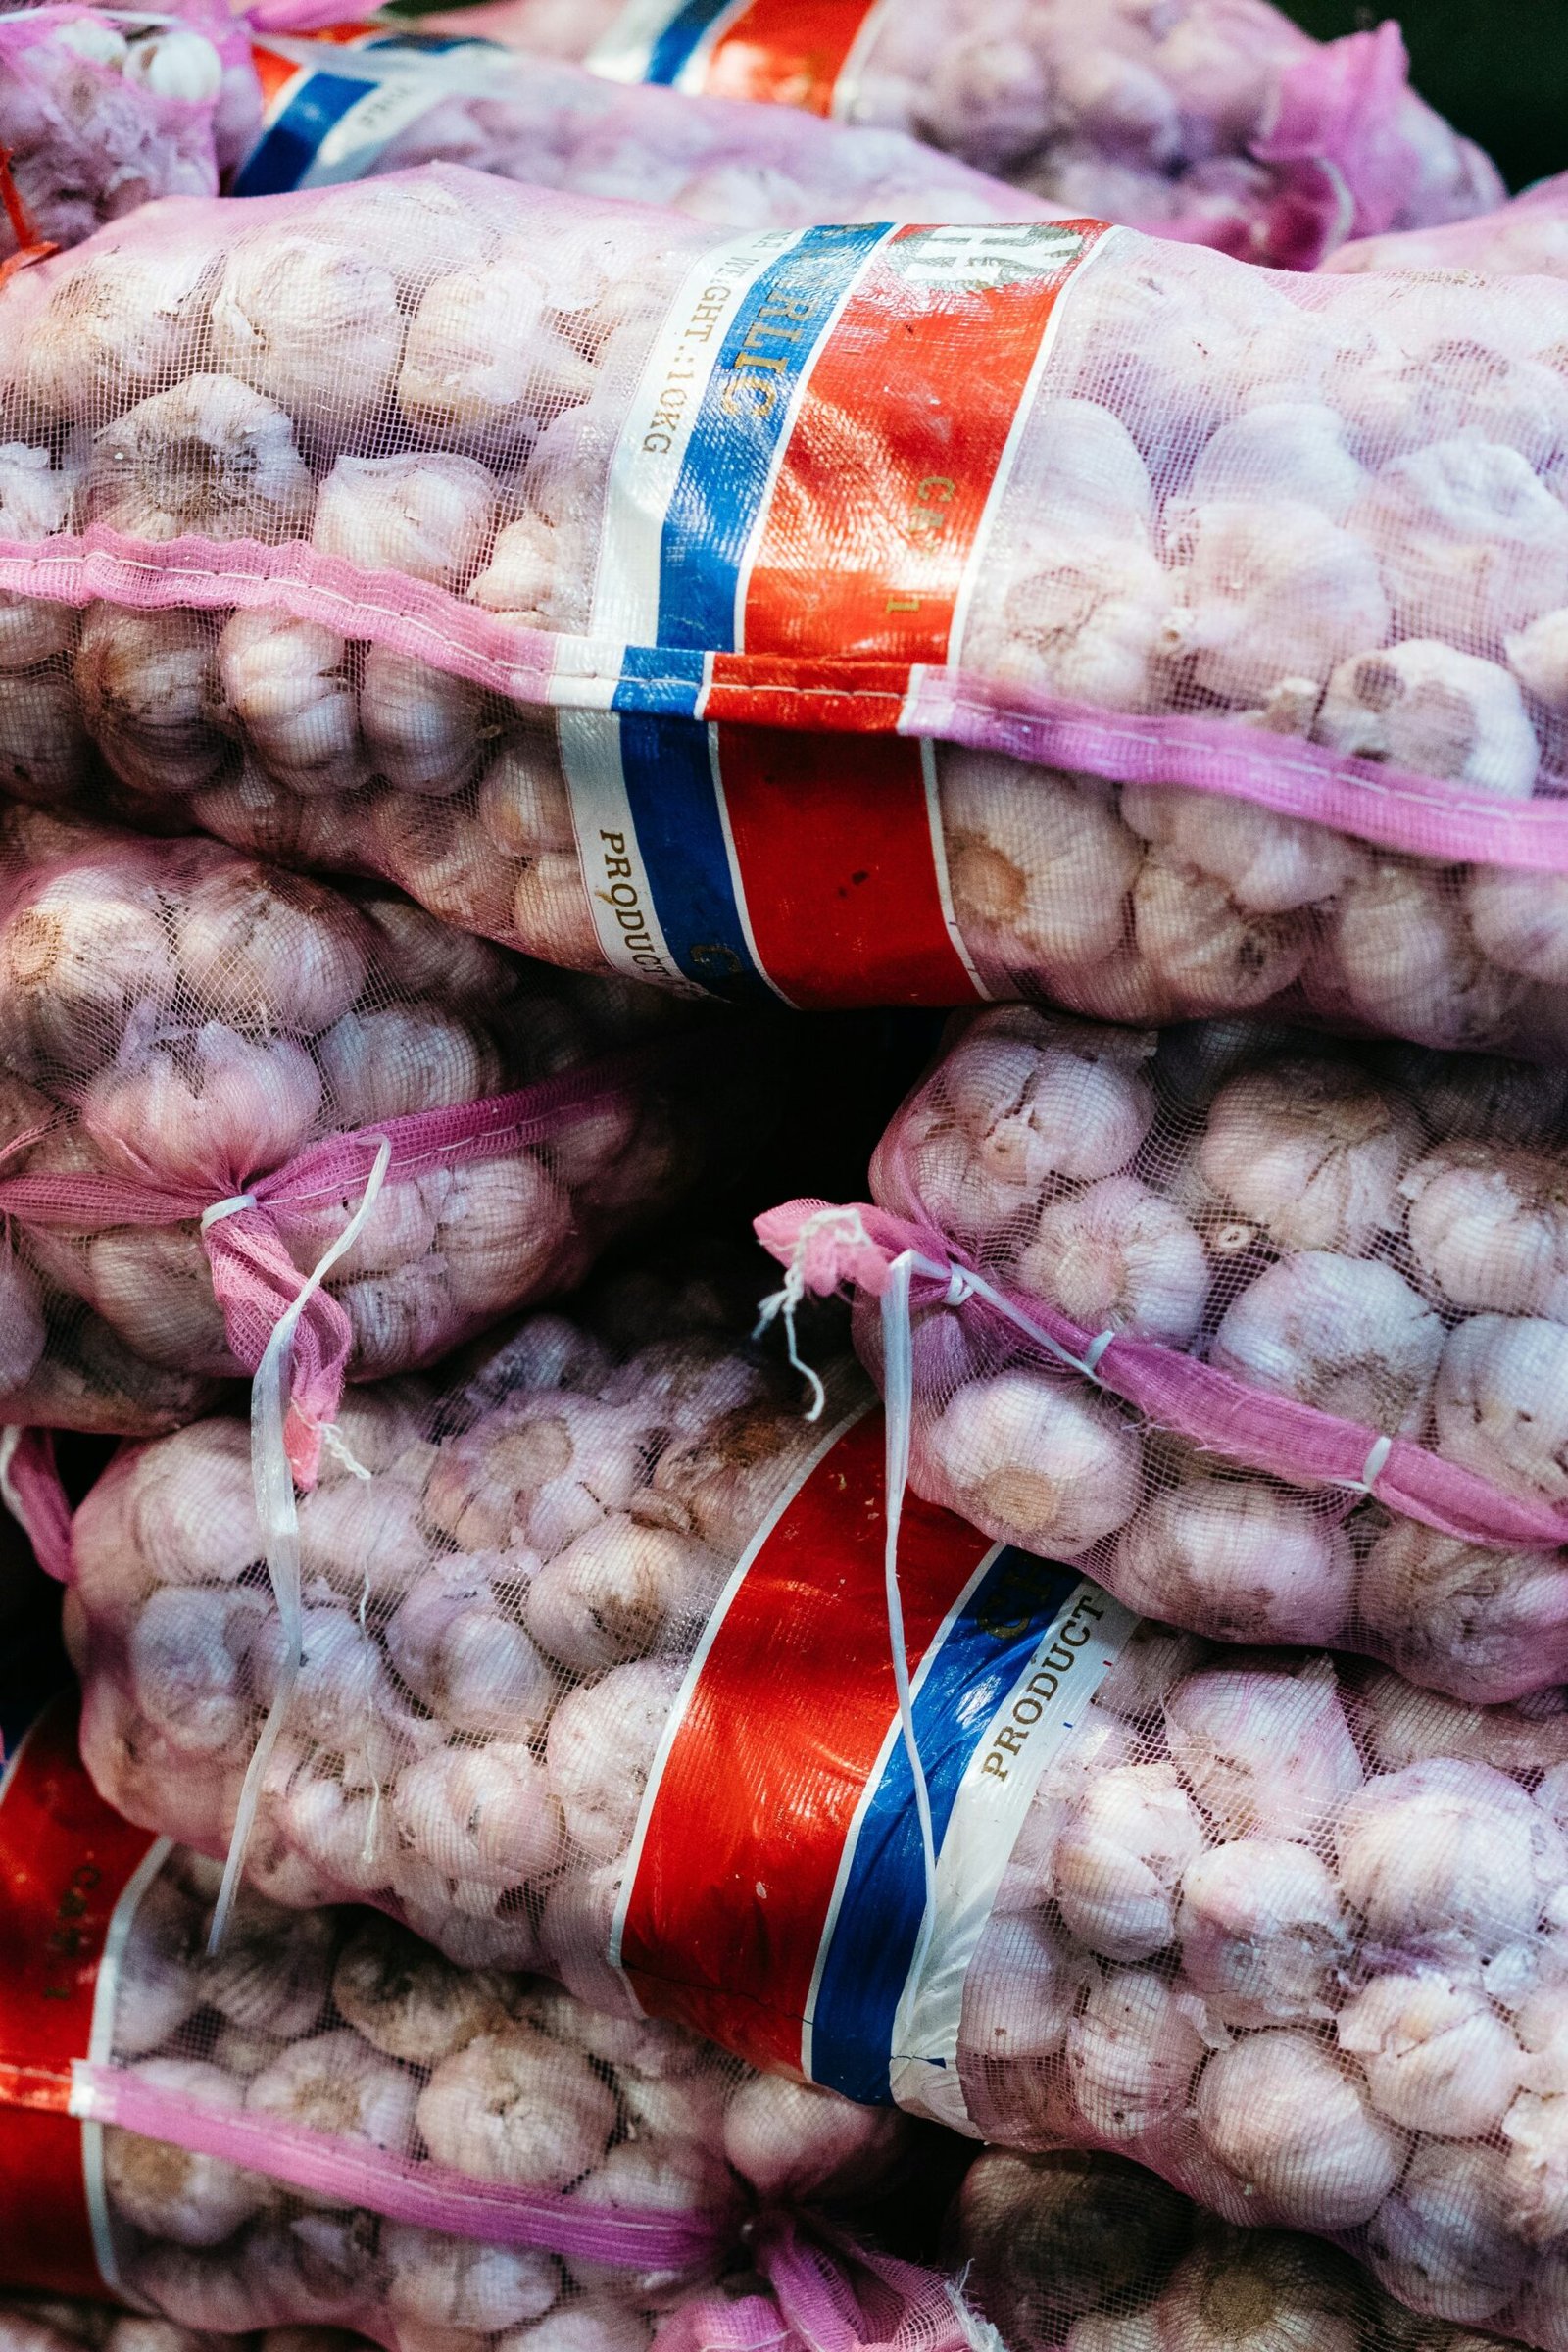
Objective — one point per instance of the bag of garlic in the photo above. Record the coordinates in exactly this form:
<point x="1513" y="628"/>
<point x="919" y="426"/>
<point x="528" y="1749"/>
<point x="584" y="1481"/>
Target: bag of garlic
<point x="99" y="111"/>
<point x="330" y="2124"/>
<point x="77" y="2324"/>
<point x="369" y="100"/>
<point x="598" y="1679"/>
<point x="1269" y="1334"/>
<point x="248" y="1119"/>
<point x="1219" y="122"/>
<point x="1094" y="2254"/>
<point x="1183" y="639"/>
<point x="1527" y="235"/>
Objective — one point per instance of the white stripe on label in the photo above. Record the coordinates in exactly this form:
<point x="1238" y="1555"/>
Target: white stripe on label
<point x="101" y="2050"/>
<point x="985" y="528"/>
<point x="658" y="422"/>
<point x="1027" y="1732"/>
<point x="620" y="890"/>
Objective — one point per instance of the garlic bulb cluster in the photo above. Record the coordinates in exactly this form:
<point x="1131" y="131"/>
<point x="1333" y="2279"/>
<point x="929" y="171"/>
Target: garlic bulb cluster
<point x="1212" y="124"/>
<point x="343" y="2024"/>
<point x="71" y="2324"/>
<point x="493" y="1619"/>
<point x="1376" y="1233"/>
<point x="1277" y="1923"/>
<point x="1094" y="2254"/>
<point x="1289" y="1932"/>
<point x="99" y="114"/>
<point x="179" y="1019"/>
<point x="357" y="684"/>
<point x="547" y="121"/>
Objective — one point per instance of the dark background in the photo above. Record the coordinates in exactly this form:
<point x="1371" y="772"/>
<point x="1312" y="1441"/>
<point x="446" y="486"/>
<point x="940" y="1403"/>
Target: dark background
<point x="1497" y="69"/>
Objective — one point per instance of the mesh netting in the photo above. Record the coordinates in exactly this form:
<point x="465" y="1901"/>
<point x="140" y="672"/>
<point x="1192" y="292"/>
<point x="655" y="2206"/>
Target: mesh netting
<point x="545" y="121"/>
<point x="1527" y="235"/>
<point x="1092" y="2253"/>
<point x="1279" y="1925"/>
<point x="1217" y="122"/>
<point x="1273" y="1337"/>
<point x="98" y="115"/>
<point x="209" y="1068"/>
<point x="1270" y="590"/>
<point x="72" y="2323"/>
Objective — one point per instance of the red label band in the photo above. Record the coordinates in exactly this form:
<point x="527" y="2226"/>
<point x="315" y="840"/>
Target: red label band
<point x="64" y="1862"/>
<point x="782" y="1726"/>
<point x="786" y="52"/>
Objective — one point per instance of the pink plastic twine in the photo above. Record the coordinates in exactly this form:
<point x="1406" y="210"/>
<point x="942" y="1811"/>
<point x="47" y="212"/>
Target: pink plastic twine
<point x="1424" y="817"/>
<point x="864" y="1248"/>
<point x="831" y="2295"/>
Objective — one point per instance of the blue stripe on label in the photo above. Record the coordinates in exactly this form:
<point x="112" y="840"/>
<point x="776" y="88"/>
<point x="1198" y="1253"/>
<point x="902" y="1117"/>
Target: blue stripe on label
<point x="288" y="148"/>
<point x="873" y="1938"/>
<point x="667" y="764"/>
<point x="728" y="464"/>
<point x="682" y="38"/>
<point x="659" y="678"/>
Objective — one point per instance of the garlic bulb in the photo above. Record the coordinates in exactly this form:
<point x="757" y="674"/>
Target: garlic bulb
<point x="1036" y="861"/>
<point x="1033" y="1461"/>
<point x="1118" y="1257"/>
<point x="1436" y="2055"/>
<point x="1428" y="709"/>
<point x="1120" y="1857"/>
<point x="1132" y="2051"/>
<point x="211" y="459"/>
<point x="1263" y="1932"/>
<point x="1310" y="1150"/>
<point x="1346" y="1335"/>
<point x="1291" y="2125"/>
<point x="1264" y="1748"/>
<point x="1243" y="1560"/>
<point x="1447" y="1858"/>
<point x="1499" y="1402"/>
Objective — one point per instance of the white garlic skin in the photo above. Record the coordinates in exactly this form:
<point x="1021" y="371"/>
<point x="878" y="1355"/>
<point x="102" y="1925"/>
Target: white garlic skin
<point x="1119" y="1257"/>
<point x="1239" y="1559"/>
<point x="1132" y="2052"/>
<point x="1502" y="1406"/>
<point x="1445" y="2241"/>
<point x="1291" y="2125"/>
<point x="1262" y="1931"/>
<point x="1346" y="1335"/>
<point x="1033" y="1462"/>
<point x="1448" y="1857"/>
<point x="1436" y="2055"/>
<point x="1120" y="1858"/>
<point x="1310" y="1150"/>
<point x="1263" y="1749"/>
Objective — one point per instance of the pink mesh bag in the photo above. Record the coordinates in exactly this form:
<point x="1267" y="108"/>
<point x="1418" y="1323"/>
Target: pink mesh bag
<point x="1219" y="121"/>
<point x="1267" y="1333"/>
<point x="373" y="99"/>
<point x="617" y="1668"/>
<point x="249" y="1120"/>
<point x="849" y="614"/>
<point x="329" y="2123"/>
<point x="1527" y="236"/>
<point x="1094" y="2254"/>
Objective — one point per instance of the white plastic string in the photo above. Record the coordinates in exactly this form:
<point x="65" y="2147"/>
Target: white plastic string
<point x="274" y="1481"/>
<point x="898" y="1382"/>
<point x="231" y="1207"/>
<point x="786" y="1301"/>
<point x="10" y="1440"/>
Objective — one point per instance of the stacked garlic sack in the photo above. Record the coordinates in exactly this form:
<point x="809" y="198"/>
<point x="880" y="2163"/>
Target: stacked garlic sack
<point x="1291" y="1341"/>
<point x="1276" y="1924"/>
<point x="1294" y="543"/>
<point x="1527" y="235"/>
<point x="495" y="1620"/>
<point x="180" y="1023"/>
<point x="1092" y="2253"/>
<point x="547" y="121"/>
<point x="1220" y="123"/>
<point x="424" y="2081"/>
<point x="71" y="2323"/>
<point x="99" y="116"/>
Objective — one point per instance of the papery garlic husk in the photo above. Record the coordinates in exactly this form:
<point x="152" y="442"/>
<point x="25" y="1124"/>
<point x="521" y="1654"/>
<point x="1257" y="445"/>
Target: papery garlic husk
<point x="1237" y="1558"/>
<point x="1263" y="1932"/>
<point x="286" y="684"/>
<point x="1436" y="2056"/>
<point x="288" y="312"/>
<point x="518" y="2107"/>
<point x="1039" y="867"/>
<point x="1490" y="1624"/>
<point x="1346" y="1335"/>
<point x="211" y="459"/>
<point x="387" y="1064"/>
<point x="1445" y="2240"/>
<point x="203" y="1109"/>
<point x="1501" y="1404"/>
<point x="1448" y="1858"/>
<point x="1264" y="1747"/>
<point x="427" y="517"/>
<point x="1132" y="2051"/>
<point x="1399" y="958"/>
<point x="1119" y="1257"/>
<point x="1121" y="1856"/>
<point x="1520" y="921"/>
<point x="1290" y="2123"/>
<point x="1309" y="1150"/>
<point x="1033" y="1462"/>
